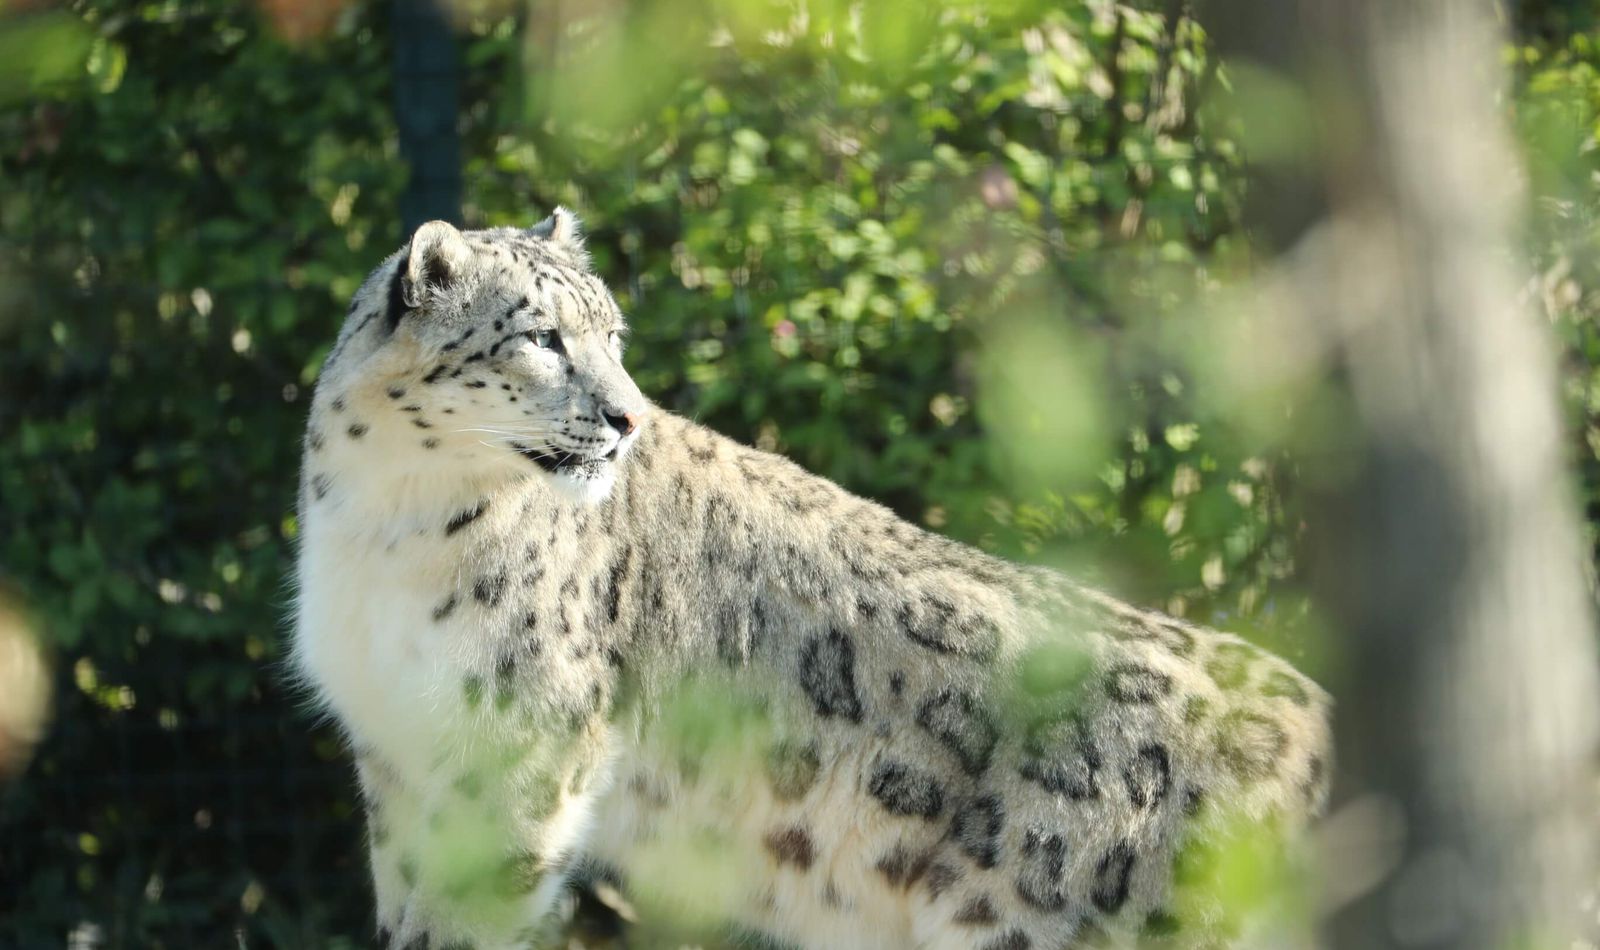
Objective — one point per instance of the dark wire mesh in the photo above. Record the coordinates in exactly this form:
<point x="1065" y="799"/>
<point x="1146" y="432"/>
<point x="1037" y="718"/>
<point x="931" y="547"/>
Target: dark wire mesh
<point x="427" y="104"/>
<point x="246" y="824"/>
<point x="213" y="810"/>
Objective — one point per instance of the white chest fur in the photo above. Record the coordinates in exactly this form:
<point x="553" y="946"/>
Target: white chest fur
<point x="379" y="639"/>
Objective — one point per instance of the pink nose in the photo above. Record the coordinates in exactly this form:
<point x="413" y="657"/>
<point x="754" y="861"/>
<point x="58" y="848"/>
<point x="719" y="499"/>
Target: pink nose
<point x="624" y="422"/>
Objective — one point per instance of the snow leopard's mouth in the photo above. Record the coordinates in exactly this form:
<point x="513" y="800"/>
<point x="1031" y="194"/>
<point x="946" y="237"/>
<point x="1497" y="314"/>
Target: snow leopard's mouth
<point x="560" y="462"/>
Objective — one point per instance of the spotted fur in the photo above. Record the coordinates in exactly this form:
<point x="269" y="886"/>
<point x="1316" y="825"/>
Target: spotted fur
<point x="512" y="565"/>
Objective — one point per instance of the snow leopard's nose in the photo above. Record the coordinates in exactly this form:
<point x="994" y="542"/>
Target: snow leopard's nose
<point x="623" y="422"/>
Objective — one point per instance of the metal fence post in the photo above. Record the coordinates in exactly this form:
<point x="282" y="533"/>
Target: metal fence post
<point x="426" y="106"/>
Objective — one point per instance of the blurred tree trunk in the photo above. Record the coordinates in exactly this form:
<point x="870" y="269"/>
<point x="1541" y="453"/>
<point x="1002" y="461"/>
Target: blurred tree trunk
<point x="1447" y="551"/>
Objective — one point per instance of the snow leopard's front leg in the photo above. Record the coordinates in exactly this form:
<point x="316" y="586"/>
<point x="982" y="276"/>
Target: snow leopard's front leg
<point x="477" y="853"/>
<point x="383" y="792"/>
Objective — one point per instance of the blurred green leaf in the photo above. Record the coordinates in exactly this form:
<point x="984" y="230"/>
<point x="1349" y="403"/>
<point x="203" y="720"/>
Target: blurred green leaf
<point x="44" y="53"/>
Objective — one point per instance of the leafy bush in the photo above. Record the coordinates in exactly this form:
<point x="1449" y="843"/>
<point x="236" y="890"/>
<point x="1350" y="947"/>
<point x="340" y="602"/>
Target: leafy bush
<point x="178" y="231"/>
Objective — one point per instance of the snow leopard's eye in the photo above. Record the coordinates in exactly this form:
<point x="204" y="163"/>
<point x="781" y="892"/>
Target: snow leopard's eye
<point x="545" y="339"/>
<point x="615" y="339"/>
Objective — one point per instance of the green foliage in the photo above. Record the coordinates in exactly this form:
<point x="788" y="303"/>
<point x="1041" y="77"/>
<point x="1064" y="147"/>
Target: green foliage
<point x="870" y="264"/>
<point x="178" y="238"/>
<point x="957" y="259"/>
<point x="1558" y="116"/>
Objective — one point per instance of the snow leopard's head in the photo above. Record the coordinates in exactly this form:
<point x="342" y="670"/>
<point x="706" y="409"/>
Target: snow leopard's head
<point x="484" y="352"/>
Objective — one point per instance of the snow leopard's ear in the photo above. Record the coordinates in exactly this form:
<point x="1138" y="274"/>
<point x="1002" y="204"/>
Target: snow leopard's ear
<point x="562" y="229"/>
<point x="436" y="260"/>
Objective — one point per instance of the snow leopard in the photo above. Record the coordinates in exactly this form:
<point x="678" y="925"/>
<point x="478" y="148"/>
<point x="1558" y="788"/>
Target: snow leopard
<point x="571" y="636"/>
